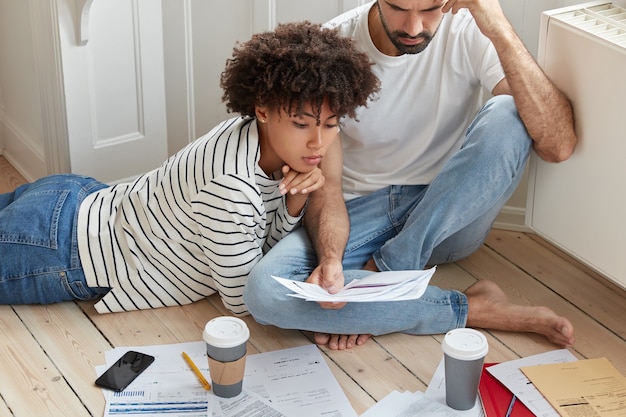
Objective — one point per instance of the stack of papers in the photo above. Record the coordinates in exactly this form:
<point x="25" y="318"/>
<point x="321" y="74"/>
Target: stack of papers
<point x="282" y="383"/>
<point x="510" y="374"/>
<point x="590" y="387"/>
<point x="410" y="404"/>
<point x="380" y="286"/>
<point x="422" y="404"/>
<point x="556" y="383"/>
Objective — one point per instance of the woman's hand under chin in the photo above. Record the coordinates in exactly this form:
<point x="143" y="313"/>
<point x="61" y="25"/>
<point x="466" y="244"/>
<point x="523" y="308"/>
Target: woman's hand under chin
<point x="297" y="186"/>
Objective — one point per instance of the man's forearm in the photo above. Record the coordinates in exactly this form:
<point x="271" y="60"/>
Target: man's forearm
<point x="327" y="224"/>
<point x="544" y="109"/>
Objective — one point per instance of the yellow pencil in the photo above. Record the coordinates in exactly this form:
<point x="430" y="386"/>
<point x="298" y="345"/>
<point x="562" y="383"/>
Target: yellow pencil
<point x="196" y="371"/>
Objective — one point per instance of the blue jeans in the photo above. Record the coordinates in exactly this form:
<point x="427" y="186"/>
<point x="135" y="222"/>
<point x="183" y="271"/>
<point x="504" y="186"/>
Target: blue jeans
<point x="406" y="227"/>
<point x="39" y="262"/>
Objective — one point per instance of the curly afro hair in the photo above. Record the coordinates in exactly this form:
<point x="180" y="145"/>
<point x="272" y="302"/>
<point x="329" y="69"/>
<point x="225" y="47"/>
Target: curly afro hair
<point x="295" y="65"/>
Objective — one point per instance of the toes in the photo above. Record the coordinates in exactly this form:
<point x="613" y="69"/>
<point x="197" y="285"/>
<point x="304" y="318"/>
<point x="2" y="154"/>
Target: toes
<point x="321" y="338"/>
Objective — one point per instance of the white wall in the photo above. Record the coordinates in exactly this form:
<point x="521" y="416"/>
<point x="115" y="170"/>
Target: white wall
<point x="21" y="124"/>
<point x="1" y="119"/>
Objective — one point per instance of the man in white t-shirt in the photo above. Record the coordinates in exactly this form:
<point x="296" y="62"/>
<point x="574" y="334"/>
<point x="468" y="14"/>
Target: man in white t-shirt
<point x="425" y="173"/>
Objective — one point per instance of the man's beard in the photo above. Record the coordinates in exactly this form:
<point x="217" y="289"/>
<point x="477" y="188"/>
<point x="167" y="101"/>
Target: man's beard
<point x="394" y="37"/>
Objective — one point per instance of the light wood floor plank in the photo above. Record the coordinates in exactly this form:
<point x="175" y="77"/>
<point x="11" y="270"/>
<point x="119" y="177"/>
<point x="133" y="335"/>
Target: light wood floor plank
<point x="4" y="409"/>
<point x="134" y="328"/>
<point x="31" y="384"/>
<point x="68" y="338"/>
<point x="419" y="354"/>
<point x="9" y="177"/>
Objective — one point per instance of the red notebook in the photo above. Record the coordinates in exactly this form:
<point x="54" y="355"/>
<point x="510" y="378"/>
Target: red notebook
<point x="496" y="398"/>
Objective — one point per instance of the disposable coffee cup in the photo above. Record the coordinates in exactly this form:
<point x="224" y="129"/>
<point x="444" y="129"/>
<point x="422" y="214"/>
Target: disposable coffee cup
<point x="226" y="338"/>
<point x="464" y="353"/>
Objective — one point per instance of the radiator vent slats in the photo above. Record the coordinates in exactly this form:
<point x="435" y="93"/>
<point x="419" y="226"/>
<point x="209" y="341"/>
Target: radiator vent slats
<point x="606" y="21"/>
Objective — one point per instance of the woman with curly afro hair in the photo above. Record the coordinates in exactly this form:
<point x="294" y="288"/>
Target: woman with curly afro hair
<point x="200" y="222"/>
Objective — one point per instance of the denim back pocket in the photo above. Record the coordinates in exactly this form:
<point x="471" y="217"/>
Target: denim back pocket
<point x="33" y="219"/>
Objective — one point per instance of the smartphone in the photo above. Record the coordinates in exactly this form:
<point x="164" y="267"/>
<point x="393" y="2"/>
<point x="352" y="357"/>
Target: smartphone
<point x="124" y="371"/>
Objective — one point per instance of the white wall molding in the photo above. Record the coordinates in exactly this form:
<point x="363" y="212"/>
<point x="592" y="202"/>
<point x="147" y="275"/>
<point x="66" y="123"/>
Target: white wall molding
<point x="189" y="72"/>
<point x="22" y="152"/>
<point x="45" y="29"/>
<point x="263" y="15"/>
<point x="512" y="218"/>
<point x="179" y="73"/>
<point x="1" y="121"/>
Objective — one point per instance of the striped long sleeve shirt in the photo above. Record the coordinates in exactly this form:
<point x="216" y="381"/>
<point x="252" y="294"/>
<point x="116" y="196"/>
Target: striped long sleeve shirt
<point x="193" y="227"/>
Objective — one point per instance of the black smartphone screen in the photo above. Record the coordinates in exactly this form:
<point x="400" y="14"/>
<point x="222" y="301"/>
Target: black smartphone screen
<point x="124" y="371"/>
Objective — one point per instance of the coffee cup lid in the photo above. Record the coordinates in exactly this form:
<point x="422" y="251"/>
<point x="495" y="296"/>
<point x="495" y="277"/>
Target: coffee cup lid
<point x="225" y="332"/>
<point x="465" y="344"/>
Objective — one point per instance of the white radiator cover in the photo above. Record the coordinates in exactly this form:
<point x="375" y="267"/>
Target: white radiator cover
<point x="580" y="204"/>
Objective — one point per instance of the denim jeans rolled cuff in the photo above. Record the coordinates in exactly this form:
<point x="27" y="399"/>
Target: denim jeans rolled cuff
<point x="39" y="262"/>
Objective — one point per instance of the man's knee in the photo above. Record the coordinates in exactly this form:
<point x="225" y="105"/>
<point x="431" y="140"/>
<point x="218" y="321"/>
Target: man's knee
<point x="500" y="132"/>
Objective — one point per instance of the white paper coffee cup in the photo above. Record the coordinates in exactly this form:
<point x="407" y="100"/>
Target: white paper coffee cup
<point x="226" y="339"/>
<point x="464" y="353"/>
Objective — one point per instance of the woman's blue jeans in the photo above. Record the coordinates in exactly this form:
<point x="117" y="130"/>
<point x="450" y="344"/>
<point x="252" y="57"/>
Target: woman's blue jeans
<point x="406" y="227"/>
<point x="39" y="262"/>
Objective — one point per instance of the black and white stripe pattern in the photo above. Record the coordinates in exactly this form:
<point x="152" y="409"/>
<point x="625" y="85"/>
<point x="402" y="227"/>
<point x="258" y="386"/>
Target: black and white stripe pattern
<point x="192" y="227"/>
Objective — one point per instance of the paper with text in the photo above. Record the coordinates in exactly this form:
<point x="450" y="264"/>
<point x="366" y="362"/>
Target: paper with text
<point x="513" y="378"/>
<point x="379" y="286"/>
<point x="282" y="383"/>
<point x="584" y="388"/>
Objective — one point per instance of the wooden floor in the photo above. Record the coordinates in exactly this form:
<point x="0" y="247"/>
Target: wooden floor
<point x="48" y="353"/>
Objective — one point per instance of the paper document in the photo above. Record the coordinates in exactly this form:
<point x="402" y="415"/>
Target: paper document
<point x="298" y="382"/>
<point x="380" y="286"/>
<point x="410" y="404"/>
<point x="436" y="392"/>
<point x="510" y="374"/>
<point x="418" y="404"/>
<point x="282" y="383"/>
<point x="584" y="388"/>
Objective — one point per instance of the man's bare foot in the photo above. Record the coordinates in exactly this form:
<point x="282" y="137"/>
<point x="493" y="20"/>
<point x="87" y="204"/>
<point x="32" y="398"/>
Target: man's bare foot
<point x="340" y="341"/>
<point x="489" y="308"/>
<point x="371" y="266"/>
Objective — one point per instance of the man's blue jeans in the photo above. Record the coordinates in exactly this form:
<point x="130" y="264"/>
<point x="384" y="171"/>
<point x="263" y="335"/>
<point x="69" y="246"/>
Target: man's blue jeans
<point x="406" y="227"/>
<point x="39" y="262"/>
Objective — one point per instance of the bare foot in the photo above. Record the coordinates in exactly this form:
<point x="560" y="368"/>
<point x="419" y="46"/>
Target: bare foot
<point x="489" y="308"/>
<point x="340" y="341"/>
<point x="371" y="266"/>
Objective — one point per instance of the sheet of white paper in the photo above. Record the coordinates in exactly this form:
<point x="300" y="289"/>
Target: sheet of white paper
<point x="408" y="404"/>
<point x="286" y="382"/>
<point x="393" y="404"/>
<point x="513" y="378"/>
<point x="298" y="382"/>
<point x="246" y="404"/>
<point x="380" y="286"/>
<point x="436" y="391"/>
